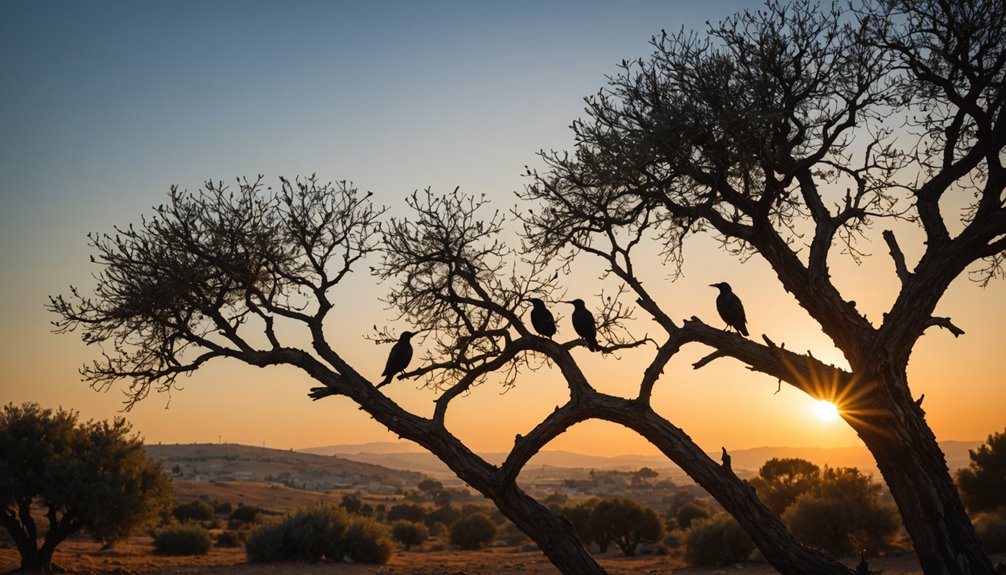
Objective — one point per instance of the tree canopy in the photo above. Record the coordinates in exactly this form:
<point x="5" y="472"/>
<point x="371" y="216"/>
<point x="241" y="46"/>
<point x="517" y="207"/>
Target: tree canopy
<point x="92" y="475"/>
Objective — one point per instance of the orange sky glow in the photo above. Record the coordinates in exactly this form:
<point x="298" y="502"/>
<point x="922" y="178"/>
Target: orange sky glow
<point x="105" y="120"/>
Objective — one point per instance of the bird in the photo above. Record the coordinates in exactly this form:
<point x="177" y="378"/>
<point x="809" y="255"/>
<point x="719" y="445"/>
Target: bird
<point x="398" y="358"/>
<point x="542" y="319"/>
<point x="730" y="307"/>
<point x="583" y="323"/>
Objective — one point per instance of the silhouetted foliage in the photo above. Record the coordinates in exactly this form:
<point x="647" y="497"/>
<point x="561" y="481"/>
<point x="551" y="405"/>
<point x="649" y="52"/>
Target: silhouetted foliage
<point x="625" y="522"/>
<point x="92" y="475"/>
<point x="473" y="531"/>
<point x="406" y="512"/>
<point x="228" y="538"/>
<point x="182" y="540"/>
<point x="409" y="533"/>
<point x="719" y="540"/>
<point x="193" y="511"/>
<point x="244" y="514"/>
<point x="991" y="528"/>
<point x="843" y="513"/>
<point x="983" y="482"/>
<point x="781" y="481"/>
<point x="689" y="513"/>
<point x="442" y="515"/>
<point x="351" y="502"/>
<point x="320" y="532"/>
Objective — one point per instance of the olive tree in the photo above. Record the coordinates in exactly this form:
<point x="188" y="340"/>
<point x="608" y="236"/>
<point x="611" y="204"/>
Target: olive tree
<point x="92" y="476"/>
<point x="742" y="135"/>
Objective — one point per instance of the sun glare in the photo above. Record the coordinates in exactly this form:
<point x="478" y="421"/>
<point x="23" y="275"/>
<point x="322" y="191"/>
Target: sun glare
<point x="825" y="410"/>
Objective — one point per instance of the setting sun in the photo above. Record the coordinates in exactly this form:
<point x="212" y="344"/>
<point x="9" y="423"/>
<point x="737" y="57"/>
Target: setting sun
<point x="825" y="410"/>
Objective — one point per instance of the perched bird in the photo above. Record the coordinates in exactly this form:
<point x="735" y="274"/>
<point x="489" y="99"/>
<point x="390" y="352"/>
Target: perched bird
<point x="730" y="307"/>
<point x="542" y="319"/>
<point x="399" y="358"/>
<point x="583" y="323"/>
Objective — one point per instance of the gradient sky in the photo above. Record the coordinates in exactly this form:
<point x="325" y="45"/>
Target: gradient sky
<point x="105" y="104"/>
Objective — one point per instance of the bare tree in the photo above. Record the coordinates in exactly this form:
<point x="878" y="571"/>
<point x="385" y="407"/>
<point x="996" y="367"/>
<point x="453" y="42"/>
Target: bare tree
<point x="743" y="135"/>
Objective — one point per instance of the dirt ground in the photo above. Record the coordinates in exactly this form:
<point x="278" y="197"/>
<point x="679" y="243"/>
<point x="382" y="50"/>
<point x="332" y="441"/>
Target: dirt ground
<point x="136" y="557"/>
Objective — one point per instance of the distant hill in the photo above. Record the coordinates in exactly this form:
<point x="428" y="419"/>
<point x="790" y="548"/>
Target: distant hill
<point x="232" y="462"/>
<point x="409" y="456"/>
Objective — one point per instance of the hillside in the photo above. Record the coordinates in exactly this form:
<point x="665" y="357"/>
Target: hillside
<point x="232" y="462"/>
<point x="406" y="455"/>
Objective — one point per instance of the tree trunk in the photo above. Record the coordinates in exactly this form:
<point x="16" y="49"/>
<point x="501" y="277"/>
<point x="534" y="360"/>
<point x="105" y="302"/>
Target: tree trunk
<point x="782" y="551"/>
<point x="556" y="538"/>
<point x="915" y="470"/>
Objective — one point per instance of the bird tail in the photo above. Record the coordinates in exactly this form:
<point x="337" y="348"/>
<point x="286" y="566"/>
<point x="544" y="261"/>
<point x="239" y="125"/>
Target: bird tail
<point x="744" y="330"/>
<point x="385" y="381"/>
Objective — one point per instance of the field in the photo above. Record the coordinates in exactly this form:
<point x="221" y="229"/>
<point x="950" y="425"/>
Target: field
<point x="136" y="557"/>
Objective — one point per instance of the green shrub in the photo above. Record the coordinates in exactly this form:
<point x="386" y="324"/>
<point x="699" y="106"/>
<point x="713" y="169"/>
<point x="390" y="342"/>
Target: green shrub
<point x="320" y="532"/>
<point x="843" y="514"/>
<point x="246" y="514"/>
<point x="409" y="533"/>
<point x="991" y="528"/>
<point x="192" y="511"/>
<point x="368" y="541"/>
<point x="719" y="540"/>
<point x="182" y="540"/>
<point x="444" y="515"/>
<point x="689" y="513"/>
<point x="224" y="508"/>
<point x="473" y="531"/>
<point x="406" y="512"/>
<point x="265" y="543"/>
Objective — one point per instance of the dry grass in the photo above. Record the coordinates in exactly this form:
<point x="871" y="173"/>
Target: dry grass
<point x="136" y="557"/>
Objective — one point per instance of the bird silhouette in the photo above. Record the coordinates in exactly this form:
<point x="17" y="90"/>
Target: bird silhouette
<point x="398" y="358"/>
<point x="583" y="323"/>
<point x="730" y="307"/>
<point x="542" y="319"/>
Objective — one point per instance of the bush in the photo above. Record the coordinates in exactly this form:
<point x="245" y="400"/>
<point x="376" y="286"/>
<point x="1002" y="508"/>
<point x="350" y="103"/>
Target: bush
<point x="843" y="514"/>
<point x="719" y="540"/>
<point x="320" y="532"/>
<point x="473" y="531"/>
<point x="246" y="514"/>
<point x="368" y="541"/>
<point x="224" y="508"/>
<point x="406" y="512"/>
<point x="409" y="533"/>
<point x="229" y="538"/>
<point x="689" y="513"/>
<point x="192" y="511"/>
<point x="442" y="515"/>
<point x="182" y="540"/>
<point x="991" y="528"/>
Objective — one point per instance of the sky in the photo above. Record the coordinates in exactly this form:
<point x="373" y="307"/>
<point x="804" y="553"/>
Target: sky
<point x="106" y="104"/>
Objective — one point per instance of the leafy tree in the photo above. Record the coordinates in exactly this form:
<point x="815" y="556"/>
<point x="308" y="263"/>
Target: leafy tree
<point x="745" y="135"/>
<point x="689" y="513"/>
<point x="983" y="482"/>
<point x="473" y="531"/>
<point x="781" y="481"/>
<point x="409" y="533"/>
<point x="92" y="475"/>
<point x="626" y="523"/>
<point x="843" y="513"/>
